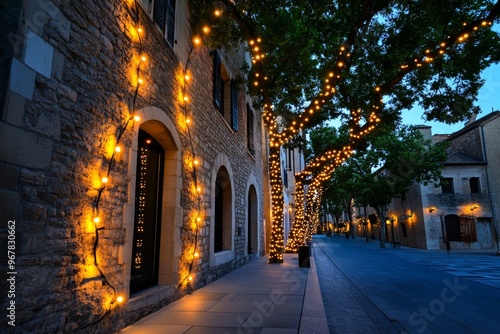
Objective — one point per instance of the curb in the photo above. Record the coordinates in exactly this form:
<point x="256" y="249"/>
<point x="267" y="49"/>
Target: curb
<point x="313" y="318"/>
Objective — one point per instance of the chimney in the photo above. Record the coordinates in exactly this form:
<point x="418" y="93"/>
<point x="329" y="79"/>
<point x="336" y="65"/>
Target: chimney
<point x="471" y="119"/>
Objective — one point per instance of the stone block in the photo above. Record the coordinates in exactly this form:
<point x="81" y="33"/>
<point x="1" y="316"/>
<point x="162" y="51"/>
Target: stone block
<point x="38" y="54"/>
<point x="58" y="65"/>
<point x="22" y="79"/>
<point x="49" y="124"/>
<point x="11" y="206"/>
<point x="13" y="112"/>
<point x="65" y="91"/>
<point x="58" y="21"/>
<point x="10" y="175"/>
<point x="18" y="146"/>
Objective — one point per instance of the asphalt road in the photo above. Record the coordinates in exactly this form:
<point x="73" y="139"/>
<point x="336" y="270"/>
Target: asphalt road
<point x="368" y="289"/>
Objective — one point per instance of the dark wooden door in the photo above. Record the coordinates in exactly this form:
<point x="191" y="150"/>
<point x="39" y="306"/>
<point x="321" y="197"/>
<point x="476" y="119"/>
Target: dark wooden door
<point x="147" y="221"/>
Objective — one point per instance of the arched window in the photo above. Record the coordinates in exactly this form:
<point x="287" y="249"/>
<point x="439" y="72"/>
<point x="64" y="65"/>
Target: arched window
<point x="223" y="212"/>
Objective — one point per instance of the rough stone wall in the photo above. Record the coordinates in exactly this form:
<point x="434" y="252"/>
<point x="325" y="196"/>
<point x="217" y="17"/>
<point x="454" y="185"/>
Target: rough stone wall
<point x="71" y="91"/>
<point x="399" y="209"/>
<point x="492" y="146"/>
<point x="468" y="143"/>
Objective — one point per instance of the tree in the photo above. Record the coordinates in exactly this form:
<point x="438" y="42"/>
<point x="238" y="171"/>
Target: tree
<point x="314" y="60"/>
<point x="389" y="165"/>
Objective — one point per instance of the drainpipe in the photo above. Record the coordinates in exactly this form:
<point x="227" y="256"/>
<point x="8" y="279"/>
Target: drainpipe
<point x="483" y="144"/>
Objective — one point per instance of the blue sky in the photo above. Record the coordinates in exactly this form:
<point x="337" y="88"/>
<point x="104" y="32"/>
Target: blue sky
<point x="488" y="98"/>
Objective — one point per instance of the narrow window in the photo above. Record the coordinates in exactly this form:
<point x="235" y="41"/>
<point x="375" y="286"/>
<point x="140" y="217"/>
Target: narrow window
<point x="250" y="127"/>
<point x="171" y="23"/>
<point x="447" y="185"/>
<point x="164" y="17"/>
<point x="234" y="106"/>
<point x="474" y="185"/>
<point x="218" y="85"/>
<point x="159" y="14"/>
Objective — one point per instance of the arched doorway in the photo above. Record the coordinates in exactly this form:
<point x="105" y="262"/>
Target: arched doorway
<point x="147" y="217"/>
<point x="223" y="212"/>
<point x="166" y="242"/>
<point x="252" y="222"/>
<point x="452" y="225"/>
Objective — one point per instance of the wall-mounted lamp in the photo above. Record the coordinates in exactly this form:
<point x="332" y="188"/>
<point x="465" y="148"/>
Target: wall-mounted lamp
<point x="474" y="207"/>
<point x="432" y="209"/>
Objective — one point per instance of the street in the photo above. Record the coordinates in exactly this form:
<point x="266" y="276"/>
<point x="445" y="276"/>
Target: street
<point x="368" y="289"/>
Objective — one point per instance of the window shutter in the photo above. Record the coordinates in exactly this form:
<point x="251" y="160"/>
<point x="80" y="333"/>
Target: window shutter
<point x="159" y="13"/>
<point x="234" y="106"/>
<point x="171" y="22"/>
<point x="217" y="83"/>
<point x="250" y="130"/>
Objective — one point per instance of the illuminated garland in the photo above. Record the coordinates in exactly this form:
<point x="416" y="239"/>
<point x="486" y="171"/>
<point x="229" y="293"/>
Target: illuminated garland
<point x="304" y="224"/>
<point x="340" y="65"/>
<point x="197" y="217"/>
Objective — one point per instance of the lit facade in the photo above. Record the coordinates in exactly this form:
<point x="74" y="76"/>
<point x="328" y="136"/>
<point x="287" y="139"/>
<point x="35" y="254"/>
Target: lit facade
<point x="132" y="161"/>
<point x="463" y="213"/>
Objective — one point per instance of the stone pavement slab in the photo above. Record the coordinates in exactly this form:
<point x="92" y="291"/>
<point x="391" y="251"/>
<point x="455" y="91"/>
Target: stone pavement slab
<point x="258" y="298"/>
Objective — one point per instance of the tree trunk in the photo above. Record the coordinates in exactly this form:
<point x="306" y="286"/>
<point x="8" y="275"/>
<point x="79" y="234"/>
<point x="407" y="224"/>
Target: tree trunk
<point x="381" y="214"/>
<point x="276" y="246"/>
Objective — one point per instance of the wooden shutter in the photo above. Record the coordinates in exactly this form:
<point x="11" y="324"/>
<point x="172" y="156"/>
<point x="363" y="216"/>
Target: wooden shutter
<point x="250" y="127"/>
<point x="234" y="106"/>
<point x="171" y="22"/>
<point x="217" y="83"/>
<point x="159" y="13"/>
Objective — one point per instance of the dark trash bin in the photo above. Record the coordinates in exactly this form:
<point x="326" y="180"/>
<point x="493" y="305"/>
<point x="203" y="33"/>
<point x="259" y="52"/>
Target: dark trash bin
<point x="304" y="253"/>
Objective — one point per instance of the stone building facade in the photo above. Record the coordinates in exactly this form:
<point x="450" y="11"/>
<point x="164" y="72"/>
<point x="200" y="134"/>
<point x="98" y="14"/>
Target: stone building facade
<point x="463" y="213"/>
<point x="131" y="162"/>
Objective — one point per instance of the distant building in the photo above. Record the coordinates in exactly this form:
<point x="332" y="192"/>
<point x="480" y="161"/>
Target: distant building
<point x="464" y="212"/>
<point x="292" y="162"/>
<point x="99" y="204"/>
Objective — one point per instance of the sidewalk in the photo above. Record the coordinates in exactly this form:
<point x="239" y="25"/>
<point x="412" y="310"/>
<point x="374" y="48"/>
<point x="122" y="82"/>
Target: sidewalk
<point x="258" y="298"/>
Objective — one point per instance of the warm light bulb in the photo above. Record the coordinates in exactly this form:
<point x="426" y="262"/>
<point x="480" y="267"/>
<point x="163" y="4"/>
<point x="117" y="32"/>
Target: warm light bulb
<point x="197" y="41"/>
<point x="140" y="81"/>
<point x="137" y="118"/>
<point x="196" y="254"/>
<point x="119" y="299"/>
<point x="97" y="220"/>
<point x="196" y="162"/>
<point x="143" y="58"/>
<point x="190" y="278"/>
<point x="118" y="149"/>
<point x="105" y="180"/>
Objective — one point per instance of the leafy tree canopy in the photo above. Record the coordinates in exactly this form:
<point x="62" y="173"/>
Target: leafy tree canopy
<point x="301" y="40"/>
